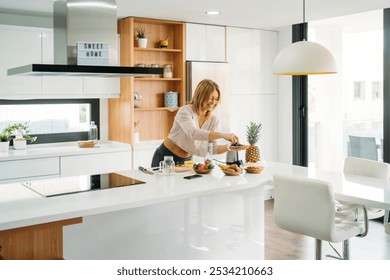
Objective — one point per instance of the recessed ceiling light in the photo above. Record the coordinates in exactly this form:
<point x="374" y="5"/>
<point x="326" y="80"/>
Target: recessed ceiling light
<point x="213" y="13"/>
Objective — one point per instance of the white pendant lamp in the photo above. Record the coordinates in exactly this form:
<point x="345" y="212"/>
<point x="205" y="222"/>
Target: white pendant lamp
<point x="304" y="58"/>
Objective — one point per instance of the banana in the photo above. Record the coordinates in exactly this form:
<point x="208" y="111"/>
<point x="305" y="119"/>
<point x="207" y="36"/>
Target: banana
<point x="223" y="166"/>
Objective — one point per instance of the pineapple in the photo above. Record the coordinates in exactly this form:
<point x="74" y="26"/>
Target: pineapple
<point x="252" y="154"/>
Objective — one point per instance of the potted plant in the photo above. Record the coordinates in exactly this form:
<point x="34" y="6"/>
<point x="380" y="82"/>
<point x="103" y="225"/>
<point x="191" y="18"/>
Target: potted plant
<point x="141" y="37"/>
<point x="5" y="138"/>
<point x="21" y="131"/>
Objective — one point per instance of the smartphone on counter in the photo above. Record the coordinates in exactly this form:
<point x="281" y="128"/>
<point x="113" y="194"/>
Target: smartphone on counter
<point x="192" y="176"/>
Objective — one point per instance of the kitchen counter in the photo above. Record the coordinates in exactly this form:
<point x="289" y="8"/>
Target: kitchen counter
<point x="165" y="204"/>
<point x="169" y="217"/>
<point x="63" y="159"/>
<point x="25" y="207"/>
<point x="62" y="149"/>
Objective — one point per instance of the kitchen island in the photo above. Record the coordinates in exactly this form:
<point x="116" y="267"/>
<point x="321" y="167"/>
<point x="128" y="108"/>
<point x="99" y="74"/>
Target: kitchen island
<point x="167" y="217"/>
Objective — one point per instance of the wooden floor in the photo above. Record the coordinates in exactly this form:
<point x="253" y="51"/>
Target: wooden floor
<point x="283" y="245"/>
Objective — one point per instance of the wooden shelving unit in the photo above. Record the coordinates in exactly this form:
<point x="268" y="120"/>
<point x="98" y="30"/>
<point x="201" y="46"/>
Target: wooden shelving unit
<point x="155" y="120"/>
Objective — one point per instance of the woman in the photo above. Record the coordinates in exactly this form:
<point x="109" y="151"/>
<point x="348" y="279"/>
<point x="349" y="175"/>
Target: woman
<point x="194" y="126"/>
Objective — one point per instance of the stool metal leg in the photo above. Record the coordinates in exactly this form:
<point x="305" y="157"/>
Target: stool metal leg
<point x="318" y="249"/>
<point x="346" y="249"/>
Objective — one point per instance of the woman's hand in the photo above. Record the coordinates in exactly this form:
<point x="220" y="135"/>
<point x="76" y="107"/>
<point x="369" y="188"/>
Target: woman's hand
<point x="231" y="137"/>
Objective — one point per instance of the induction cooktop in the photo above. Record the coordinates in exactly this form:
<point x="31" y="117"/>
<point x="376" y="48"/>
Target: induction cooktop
<point x="77" y="184"/>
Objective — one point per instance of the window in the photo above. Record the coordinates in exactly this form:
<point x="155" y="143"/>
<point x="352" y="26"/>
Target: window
<point x="350" y="103"/>
<point x="377" y="90"/>
<point x="359" y="90"/>
<point x="52" y="120"/>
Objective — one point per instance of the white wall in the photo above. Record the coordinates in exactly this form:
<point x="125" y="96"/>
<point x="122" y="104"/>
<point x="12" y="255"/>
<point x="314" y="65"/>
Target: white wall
<point x="25" y="20"/>
<point x="284" y="104"/>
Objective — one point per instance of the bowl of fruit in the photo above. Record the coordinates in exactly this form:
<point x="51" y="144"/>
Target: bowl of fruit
<point x="230" y="170"/>
<point x="254" y="169"/>
<point x="203" y="167"/>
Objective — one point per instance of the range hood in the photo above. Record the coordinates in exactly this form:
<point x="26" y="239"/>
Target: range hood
<point x="83" y="21"/>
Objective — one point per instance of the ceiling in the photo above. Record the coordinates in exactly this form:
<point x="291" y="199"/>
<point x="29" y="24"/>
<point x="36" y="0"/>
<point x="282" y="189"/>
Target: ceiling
<point x="262" y="14"/>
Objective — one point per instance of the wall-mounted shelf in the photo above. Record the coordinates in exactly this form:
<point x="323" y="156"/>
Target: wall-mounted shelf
<point x="157" y="50"/>
<point x="159" y="79"/>
<point x="173" y="109"/>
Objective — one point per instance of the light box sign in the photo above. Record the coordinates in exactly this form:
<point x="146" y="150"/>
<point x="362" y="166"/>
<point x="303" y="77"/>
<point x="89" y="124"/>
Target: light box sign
<point x="92" y="53"/>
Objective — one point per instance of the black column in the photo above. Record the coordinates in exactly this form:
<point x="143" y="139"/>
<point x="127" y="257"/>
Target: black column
<point x="386" y="85"/>
<point x="299" y="107"/>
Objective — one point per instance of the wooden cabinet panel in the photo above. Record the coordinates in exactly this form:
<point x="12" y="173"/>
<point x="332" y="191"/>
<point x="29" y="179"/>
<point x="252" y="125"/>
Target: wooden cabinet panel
<point x="38" y="242"/>
<point x="155" y="119"/>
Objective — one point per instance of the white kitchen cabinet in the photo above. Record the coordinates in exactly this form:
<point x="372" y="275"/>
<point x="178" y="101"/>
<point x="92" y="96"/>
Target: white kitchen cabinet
<point x="143" y="153"/>
<point x="65" y="160"/>
<point x="19" y="46"/>
<point x="265" y="112"/>
<point x="267" y="42"/>
<point x="26" y="45"/>
<point x="63" y="86"/>
<point x="240" y="57"/>
<point x="95" y="163"/>
<point x="101" y="87"/>
<point x="60" y="86"/>
<point x="251" y="54"/>
<point x="29" y="168"/>
<point x="253" y="88"/>
<point x="205" y="42"/>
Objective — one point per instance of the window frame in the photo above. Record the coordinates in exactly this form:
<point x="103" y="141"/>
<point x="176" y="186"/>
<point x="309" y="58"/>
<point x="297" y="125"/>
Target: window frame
<point x="60" y="137"/>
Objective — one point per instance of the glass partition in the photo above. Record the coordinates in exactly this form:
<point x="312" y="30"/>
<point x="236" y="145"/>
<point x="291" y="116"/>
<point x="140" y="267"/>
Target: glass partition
<point x="346" y="109"/>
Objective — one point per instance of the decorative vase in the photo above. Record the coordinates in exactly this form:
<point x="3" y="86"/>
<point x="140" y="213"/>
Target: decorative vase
<point x="4" y="146"/>
<point x="20" y="143"/>
<point x="142" y="42"/>
<point x="135" y="138"/>
<point x="170" y="99"/>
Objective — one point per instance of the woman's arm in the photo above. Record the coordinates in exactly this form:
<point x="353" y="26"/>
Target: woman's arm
<point x="231" y="137"/>
<point x="220" y="149"/>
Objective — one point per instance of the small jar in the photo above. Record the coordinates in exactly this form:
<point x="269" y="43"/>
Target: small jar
<point x="168" y="71"/>
<point x="155" y="65"/>
<point x="141" y="65"/>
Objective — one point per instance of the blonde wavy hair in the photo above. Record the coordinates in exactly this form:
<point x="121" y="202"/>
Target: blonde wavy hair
<point x="202" y="94"/>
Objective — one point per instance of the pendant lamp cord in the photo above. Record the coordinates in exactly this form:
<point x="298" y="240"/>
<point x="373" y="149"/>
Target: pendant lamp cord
<point x="304" y="13"/>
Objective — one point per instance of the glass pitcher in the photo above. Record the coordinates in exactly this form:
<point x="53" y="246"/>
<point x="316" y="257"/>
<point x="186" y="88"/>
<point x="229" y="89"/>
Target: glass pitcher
<point x="209" y="152"/>
<point x="167" y="166"/>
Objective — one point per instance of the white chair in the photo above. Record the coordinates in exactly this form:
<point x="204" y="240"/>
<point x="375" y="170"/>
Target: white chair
<point x="369" y="168"/>
<point x="363" y="147"/>
<point x="387" y="228"/>
<point x="306" y="206"/>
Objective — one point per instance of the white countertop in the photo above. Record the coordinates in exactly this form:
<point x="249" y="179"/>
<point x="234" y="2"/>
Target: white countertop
<point x="22" y="207"/>
<point x="62" y="149"/>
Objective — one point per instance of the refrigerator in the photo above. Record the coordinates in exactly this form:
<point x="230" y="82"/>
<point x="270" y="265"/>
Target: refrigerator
<point x="218" y="72"/>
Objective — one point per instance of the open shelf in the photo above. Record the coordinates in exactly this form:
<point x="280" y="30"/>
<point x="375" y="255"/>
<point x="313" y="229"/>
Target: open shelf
<point x="155" y="119"/>
<point x="173" y="109"/>
<point x="157" y="50"/>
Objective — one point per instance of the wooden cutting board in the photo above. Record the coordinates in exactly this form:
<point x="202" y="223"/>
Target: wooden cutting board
<point x="180" y="168"/>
